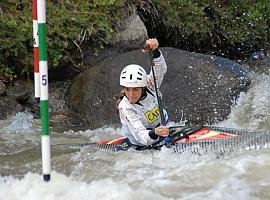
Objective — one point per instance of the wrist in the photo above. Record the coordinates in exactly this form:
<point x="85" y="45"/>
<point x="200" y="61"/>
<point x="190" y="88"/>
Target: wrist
<point x="156" y="53"/>
<point x="153" y="135"/>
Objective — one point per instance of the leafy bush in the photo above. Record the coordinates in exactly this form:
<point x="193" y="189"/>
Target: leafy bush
<point x="74" y="23"/>
<point x="16" y="40"/>
<point x="70" y="24"/>
<point x="230" y="28"/>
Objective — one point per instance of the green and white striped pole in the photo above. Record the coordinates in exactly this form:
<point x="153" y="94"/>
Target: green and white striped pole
<point x="43" y="69"/>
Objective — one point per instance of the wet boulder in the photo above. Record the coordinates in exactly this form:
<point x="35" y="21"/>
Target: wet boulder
<point x="20" y="92"/>
<point x="2" y="88"/>
<point x="9" y="107"/>
<point x="131" y="33"/>
<point x="16" y="98"/>
<point x="197" y="88"/>
<point x="259" y="62"/>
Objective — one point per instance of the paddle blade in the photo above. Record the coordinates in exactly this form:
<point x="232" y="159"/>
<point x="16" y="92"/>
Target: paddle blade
<point x="206" y="134"/>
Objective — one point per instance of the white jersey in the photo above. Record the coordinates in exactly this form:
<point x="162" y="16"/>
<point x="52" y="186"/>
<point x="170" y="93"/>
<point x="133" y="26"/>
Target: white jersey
<point x="139" y="118"/>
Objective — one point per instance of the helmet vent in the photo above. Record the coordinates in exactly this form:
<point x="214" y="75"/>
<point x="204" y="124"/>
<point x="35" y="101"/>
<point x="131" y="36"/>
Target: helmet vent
<point x="133" y="76"/>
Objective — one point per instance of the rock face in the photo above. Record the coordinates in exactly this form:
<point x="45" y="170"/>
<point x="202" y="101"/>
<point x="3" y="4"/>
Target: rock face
<point x="197" y="88"/>
<point x="259" y="62"/>
<point x="19" y="97"/>
<point x="2" y="88"/>
<point x="132" y="33"/>
<point x="9" y="107"/>
<point x="14" y="100"/>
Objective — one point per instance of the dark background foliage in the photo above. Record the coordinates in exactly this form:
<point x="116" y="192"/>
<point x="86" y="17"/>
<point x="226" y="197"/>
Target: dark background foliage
<point x="230" y="28"/>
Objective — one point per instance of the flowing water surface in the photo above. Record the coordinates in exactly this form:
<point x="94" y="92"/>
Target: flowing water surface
<point x="86" y="173"/>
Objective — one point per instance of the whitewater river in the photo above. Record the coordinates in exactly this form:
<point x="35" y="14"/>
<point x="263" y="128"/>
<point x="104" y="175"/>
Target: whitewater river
<point x="85" y="173"/>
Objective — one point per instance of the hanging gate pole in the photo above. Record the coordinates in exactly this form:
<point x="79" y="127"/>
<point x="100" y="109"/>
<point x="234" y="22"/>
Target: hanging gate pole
<point x="36" y="44"/>
<point x="43" y="68"/>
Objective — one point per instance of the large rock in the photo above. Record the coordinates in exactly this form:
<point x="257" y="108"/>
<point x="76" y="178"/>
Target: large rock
<point x="197" y="88"/>
<point x="259" y="62"/>
<point x="2" y="88"/>
<point x="9" y="107"/>
<point x="20" y="92"/>
<point x="15" y="100"/>
<point x="131" y="33"/>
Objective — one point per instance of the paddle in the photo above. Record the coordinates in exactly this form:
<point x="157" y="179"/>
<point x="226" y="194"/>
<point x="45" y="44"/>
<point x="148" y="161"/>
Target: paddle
<point x="176" y="133"/>
<point x="160" y="107"/>
<point x="159" y="102"/>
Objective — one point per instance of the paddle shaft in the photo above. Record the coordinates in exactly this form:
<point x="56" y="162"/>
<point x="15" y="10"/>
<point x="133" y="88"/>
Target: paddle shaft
<point x="160" y="107"/>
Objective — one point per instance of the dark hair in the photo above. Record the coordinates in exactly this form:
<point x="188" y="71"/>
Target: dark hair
<point x="121" y="96"/>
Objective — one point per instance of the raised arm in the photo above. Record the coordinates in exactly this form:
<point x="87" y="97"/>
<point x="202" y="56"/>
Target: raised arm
<point x="159" y="63"/>
<point x="160" y="68"/>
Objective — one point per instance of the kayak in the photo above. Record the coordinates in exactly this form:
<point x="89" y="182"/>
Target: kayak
<point x="199" y="140"/>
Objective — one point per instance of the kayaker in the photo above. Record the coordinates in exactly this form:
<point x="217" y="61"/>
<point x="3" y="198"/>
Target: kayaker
<point x="138" y="107"/>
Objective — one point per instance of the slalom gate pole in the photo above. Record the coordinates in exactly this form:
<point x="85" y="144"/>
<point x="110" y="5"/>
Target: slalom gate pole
<point x="36" y="59"/>
<point x="43" y="68"/>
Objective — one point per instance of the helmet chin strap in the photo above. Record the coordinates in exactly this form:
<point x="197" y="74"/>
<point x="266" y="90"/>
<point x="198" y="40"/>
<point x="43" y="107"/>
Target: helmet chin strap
<point x="143" y="95"/>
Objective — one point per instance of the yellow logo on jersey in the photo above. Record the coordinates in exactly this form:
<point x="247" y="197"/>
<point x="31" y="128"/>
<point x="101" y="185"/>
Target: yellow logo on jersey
<point x="152" y="115"/>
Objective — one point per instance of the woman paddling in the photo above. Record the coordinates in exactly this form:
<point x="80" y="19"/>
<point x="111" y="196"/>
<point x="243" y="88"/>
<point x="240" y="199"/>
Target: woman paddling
<point x="138" y="106"/>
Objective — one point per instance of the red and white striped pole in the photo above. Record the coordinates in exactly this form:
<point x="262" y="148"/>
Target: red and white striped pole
<point x="36" y="57"/>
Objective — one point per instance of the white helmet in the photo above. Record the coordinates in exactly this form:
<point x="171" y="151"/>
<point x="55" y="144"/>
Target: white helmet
<point x="133" y="76"/>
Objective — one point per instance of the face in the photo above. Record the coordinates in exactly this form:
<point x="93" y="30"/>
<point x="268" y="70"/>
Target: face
<point x="133" y="94"/>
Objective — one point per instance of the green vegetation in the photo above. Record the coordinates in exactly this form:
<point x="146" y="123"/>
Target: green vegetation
<point x="70" y="25"/>
<point x="15" y="39"/>
<point x="232" y="28"/>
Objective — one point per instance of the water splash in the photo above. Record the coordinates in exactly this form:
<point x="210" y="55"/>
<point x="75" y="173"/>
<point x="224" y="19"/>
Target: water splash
<point x="252" y="109"/>
<point x="20" y="123"/>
